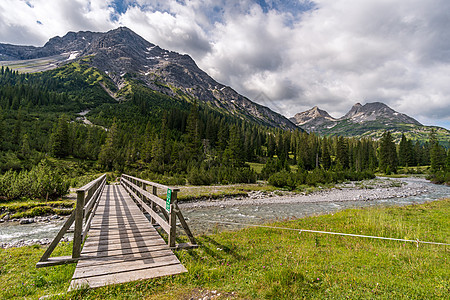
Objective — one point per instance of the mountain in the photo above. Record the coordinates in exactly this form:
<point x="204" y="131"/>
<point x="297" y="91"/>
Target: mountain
<point x="368" y="120"/>
<point x="128" y="59"/>
<point x="312" y="119"/>
<point x="377" y="111"/>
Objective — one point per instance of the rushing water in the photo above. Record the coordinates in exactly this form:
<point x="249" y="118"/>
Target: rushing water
<point x="12" y="231"/>
<point x="201" y="220"/>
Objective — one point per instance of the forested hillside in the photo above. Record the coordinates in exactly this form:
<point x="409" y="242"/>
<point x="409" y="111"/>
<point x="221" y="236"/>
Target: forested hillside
<point x="171" y="140"/>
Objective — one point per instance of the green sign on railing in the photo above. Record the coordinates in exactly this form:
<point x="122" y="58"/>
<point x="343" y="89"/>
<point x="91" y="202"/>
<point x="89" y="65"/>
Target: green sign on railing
<point x="168" y="199"/>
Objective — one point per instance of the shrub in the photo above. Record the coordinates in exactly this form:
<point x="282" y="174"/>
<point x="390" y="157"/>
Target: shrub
<point x="440" y="177"/>
<point x="272" y="166"/>
<point x="283" y="179"/>
<point x="41" y="182"/>
<point x="315" y="177"/>
<point x="206" y="175"/>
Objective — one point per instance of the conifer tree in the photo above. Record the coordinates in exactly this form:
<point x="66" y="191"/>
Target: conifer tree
<point x="25" y="149"/>
<point x="2" y="130"/>
<point x="60" y="138"/>
<point x="193" y="143"/>
<point x="388" y="153"/>
<point x="405" y="152"/>
<point x="437" y="153"/>
<point x="109" y="152"/>
<point x="342" y="154"/>
<point x="326" y="158"/>
<point x="234" y="152"/>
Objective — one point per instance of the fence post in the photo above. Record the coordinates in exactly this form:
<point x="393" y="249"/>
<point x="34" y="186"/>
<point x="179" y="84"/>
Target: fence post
<point x="173" y="220"/>
<point x="77" y="235"/>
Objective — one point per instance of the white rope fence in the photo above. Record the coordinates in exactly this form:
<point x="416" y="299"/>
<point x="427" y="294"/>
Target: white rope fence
<point x="329" y="232"/>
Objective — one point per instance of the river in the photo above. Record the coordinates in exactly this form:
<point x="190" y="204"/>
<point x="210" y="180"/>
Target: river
<point x="201" y="219"/>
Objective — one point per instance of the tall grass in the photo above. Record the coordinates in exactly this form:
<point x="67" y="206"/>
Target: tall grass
<point x="263" y="263"/>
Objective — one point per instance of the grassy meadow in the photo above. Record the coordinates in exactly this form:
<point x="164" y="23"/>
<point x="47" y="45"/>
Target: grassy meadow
<point x="263" y="263"/>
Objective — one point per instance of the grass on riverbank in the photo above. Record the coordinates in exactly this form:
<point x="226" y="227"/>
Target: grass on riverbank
<point x="263" y="263"/>
<point x="33" y="208"/>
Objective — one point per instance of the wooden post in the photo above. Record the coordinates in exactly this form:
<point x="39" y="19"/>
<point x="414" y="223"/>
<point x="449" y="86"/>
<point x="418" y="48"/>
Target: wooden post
<point x="153" y="204"/>
<point x="77" y="235"/>
<point x="173" y="221"/>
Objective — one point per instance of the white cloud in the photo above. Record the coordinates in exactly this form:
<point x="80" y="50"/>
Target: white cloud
<point x="334" y="55"/>
<point x="35" y="21"/>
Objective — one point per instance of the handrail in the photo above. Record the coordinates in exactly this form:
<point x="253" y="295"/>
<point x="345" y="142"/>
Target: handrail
<point x="154" y="206"/>
<point x="87" y="201"/>
<point x="157" y="185"/>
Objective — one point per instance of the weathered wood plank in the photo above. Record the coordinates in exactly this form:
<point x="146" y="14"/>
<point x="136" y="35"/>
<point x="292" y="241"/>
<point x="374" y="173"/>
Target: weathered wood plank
<point x="144" y="257"/>
<point x="155" y="252"/>
<point x="121" y="240"/>
<point x="122" y="245"/>
<point x="107" y="269"/>
<point x="117" y="246"/>
<point x="132" y="222"/>
<point x="125" y="251"/>
<point x="154" y="272"/>
<point x="98" y="233"/>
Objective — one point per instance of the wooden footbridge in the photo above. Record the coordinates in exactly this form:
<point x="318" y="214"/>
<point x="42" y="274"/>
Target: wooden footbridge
<point x="117" y="225"/>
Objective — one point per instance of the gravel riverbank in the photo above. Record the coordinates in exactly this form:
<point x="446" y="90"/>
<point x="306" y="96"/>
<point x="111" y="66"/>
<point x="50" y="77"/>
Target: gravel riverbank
<point x="379" y="188"/>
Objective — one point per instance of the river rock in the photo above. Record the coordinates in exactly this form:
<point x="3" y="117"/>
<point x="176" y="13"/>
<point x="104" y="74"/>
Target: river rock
<point x="26" y="221"/>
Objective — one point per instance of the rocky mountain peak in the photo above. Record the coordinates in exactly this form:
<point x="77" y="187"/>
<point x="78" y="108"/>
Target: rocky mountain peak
<point x="121" y="51"/>
<point x="353" y="111"/>
<point x="377" y="111"/>
<point x="315" y="115"/>
<point x="317" y="120"/>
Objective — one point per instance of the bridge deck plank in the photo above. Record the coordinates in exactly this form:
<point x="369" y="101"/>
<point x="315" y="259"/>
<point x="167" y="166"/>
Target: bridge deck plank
<point x="122" y="245"/>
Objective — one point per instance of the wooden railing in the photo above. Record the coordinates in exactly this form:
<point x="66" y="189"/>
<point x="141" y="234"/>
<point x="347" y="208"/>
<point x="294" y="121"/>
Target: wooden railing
<point x="162" y="212"/>
<point x="87" y="201"/>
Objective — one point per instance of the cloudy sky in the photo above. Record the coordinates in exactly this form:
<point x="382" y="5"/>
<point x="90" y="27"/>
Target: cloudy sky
<point x="289" y="55"/>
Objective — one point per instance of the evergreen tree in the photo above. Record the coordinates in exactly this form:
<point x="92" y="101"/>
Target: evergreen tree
<point x="405" y="152"/>
<point x="146" y="151"/>
<point x="388" y="153"/>
<point x="222" y="137"/>
<point x="2" y="130"/>
<point x="234" y="152"/>
<point x="60" y="138"/>
<point x="447" y="163"/>
<point x="326" y="158"/>
<point x="342" y="155"/>
<point x="193" y="143"/>
<point x="25" y="149"/>
<point x="17" y="131"/>
<point x="437" y="153"/>
<point x="110" y="153"/>
<point x="271" y="145"/>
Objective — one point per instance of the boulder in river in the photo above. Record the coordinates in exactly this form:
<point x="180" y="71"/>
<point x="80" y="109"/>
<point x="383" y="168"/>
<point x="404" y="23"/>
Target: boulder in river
<point x="26" y="221"/>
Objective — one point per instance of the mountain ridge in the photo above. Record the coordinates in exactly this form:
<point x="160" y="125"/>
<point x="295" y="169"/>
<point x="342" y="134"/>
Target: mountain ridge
<point x="315" y="119"/>
<point x="368" y="120"/>
<point x="120" y="52"/>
